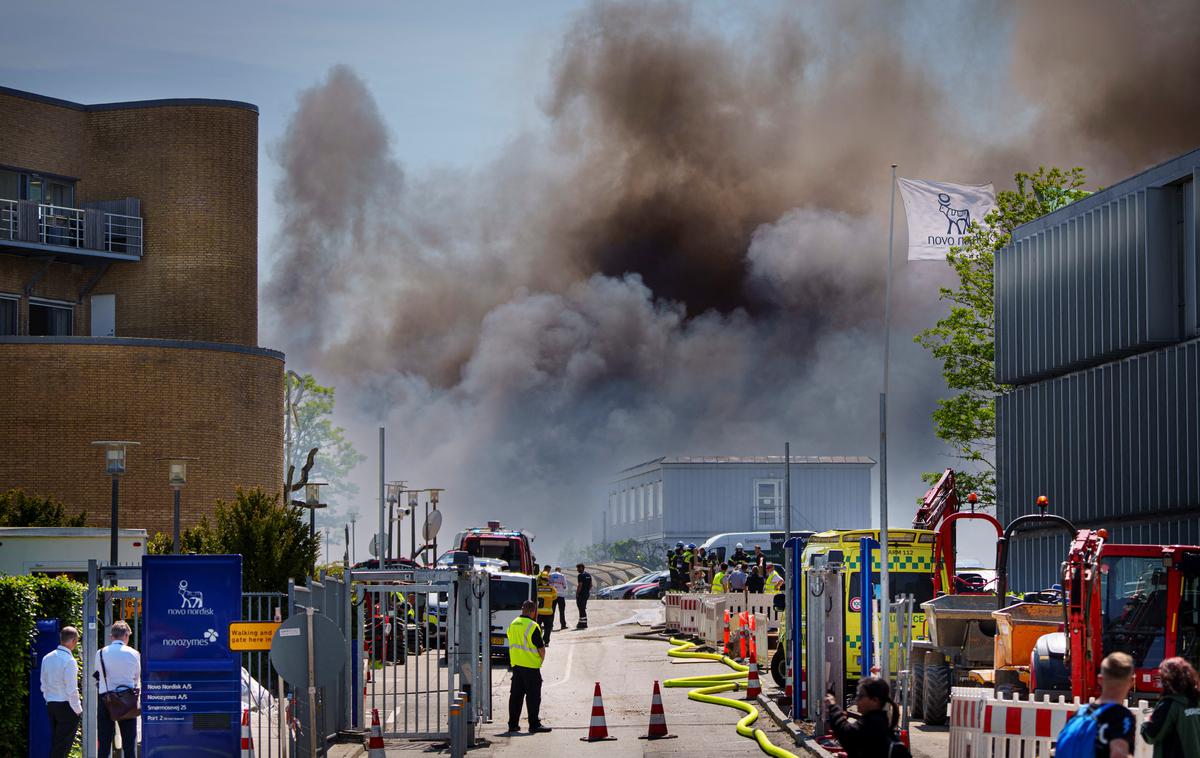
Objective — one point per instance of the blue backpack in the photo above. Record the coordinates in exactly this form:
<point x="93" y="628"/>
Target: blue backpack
<point x="1078" y="737"/>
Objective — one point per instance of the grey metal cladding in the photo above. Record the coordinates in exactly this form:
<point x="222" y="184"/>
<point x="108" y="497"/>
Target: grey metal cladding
<point x="1035" y="558"/>
<point x="1118" y="441"/>
<point x="1107" y="276"/>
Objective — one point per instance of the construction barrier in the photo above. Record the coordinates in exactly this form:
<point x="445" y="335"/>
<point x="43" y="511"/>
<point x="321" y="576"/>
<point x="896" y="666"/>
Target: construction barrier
<point x="712" y="620"/>
<point x="985" y="726"/>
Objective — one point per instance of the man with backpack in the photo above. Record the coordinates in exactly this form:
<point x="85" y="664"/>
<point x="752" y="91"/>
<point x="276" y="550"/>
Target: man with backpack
<point x="1103" y="729"/>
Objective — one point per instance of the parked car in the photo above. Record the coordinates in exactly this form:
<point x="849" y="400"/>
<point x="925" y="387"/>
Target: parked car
<point x="617" y="591"/>
<point x="652" y="591"/>
<point x="625" y="591"/>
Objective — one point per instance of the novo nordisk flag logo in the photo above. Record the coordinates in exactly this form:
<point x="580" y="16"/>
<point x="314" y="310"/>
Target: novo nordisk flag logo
<point x="940" y="213"/>
<point x="191" y="602"/>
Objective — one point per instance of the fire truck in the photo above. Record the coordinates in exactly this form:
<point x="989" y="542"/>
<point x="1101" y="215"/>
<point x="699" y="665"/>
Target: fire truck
<point x="513" y="546"/>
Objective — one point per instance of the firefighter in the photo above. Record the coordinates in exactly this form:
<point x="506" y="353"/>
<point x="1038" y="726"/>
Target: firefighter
<point x="546" y="595"/>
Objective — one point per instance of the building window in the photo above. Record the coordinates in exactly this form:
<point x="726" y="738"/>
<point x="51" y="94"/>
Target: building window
<point x="658" y="497"/>
<point x="768" y="504"/>
<point x="641" y="502"/>
<point x="8" y="314"/>
<point x="20" y="185"/>
<point x="50" y="319"/>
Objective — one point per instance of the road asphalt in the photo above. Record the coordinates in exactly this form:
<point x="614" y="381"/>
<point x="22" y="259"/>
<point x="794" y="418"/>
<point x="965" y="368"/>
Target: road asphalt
<point x="626" y="670"/>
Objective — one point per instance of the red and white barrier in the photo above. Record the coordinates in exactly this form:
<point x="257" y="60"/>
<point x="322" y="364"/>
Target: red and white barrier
<point x="985" y="726"/>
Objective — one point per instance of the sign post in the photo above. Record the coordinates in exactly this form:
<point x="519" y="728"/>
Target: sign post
<point x="191" y="679"/>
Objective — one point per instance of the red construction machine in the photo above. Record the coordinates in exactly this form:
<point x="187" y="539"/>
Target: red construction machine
<point x="1143" y="600"/>
<point x="939" y="512"/>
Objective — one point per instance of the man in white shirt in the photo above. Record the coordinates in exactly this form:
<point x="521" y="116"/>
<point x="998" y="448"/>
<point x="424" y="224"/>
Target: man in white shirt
<point x="60" y="688"/>
<point x="117" y="665"/>
<point x="558" y="580"/>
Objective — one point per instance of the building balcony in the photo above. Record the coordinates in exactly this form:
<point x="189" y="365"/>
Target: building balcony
<point x="103" y="230"/>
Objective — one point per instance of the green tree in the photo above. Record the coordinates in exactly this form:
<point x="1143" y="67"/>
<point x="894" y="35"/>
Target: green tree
<point x="200" y="538"/>
<point x="19" y="509"/>
<point x="312" y="426"/>
<point x="964" y="339"/>
<point x="272" y="539"/>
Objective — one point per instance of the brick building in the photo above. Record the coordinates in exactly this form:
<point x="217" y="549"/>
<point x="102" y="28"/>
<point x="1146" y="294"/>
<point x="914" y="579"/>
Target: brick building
<point x="129" y="303"/>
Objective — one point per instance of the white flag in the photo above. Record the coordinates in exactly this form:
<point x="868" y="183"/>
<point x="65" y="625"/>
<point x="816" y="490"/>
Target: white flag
<point x="939" y="214"/>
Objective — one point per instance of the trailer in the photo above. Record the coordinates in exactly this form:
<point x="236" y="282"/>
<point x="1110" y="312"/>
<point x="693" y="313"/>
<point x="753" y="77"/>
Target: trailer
<point x="55" y="551"/>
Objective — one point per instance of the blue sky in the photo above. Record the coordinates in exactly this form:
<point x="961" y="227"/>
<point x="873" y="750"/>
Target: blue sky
<point x="454" y="81"/>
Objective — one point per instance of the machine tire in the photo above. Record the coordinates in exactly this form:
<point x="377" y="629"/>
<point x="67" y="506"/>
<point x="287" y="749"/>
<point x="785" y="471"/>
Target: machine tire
<point x="779" y="668"/>
<point x="916" y="709"/>
<point x="937" y="688"/>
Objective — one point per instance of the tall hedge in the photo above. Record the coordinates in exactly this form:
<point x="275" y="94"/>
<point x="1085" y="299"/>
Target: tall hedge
<point x="25" y="600"/>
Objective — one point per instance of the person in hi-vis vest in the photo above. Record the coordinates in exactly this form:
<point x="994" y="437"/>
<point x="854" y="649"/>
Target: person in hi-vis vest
<point x="526" y="651"/>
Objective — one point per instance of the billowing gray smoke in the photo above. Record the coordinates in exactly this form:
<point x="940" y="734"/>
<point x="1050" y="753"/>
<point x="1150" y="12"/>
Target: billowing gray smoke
<point x="689" y="258"/>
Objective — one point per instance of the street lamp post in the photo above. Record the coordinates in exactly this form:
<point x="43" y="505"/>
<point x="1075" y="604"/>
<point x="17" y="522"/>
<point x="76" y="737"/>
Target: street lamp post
<point x="312" y="501"/>
<point x="114" y="465"/>
<point x="176" y="477"/>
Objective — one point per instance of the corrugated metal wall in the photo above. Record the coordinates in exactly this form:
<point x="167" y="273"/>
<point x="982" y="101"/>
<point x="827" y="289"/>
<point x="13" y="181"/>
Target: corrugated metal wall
<point x="1035" y="559"/>
<point x="634" y="509"/>
<point x="1115" y="441"/>
<point x="706" y="499"/>
<point x="1099" y="284"/>
<point x="1105" y="417"/>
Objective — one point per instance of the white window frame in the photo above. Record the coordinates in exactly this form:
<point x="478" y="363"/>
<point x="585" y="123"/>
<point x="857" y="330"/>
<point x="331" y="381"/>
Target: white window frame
<point x="759" y="523"/>
<point x="658" y="497"/>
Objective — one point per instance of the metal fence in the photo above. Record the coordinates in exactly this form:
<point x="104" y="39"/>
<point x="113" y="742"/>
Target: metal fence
<point x="114" y="593"/>
<point x="329" y="596"/>
<point x="425" y="640"/>
<point x="81" y="228"/>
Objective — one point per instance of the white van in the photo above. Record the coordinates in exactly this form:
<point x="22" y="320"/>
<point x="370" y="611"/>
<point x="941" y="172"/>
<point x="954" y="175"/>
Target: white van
<point x="508" y="592"/>
<point x="770" y="542"/>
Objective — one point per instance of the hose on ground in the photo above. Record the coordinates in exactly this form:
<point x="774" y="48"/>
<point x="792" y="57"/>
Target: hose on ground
<point x="710" y="684"/>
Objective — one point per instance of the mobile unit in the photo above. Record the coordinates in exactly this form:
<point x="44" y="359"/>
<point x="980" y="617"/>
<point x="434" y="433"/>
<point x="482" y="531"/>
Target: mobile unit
<point x="51" y="551"/>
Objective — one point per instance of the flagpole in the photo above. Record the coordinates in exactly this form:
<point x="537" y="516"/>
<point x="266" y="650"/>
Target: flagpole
<point x="884" y="585"/>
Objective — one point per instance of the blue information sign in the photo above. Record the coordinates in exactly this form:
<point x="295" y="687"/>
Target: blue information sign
<point x="191" y="682"/>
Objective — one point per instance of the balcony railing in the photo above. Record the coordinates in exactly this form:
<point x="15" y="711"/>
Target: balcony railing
<point x="83" y="229"/>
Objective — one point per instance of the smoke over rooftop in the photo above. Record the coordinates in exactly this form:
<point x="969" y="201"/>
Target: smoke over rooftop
<point x="689" y="256"/>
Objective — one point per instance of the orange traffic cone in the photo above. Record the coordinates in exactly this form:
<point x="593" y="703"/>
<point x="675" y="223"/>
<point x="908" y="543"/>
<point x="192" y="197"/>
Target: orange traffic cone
<point x="658" y="719"/>
<point x="753" y="690"/>
<point x="597" y="729"/>
<point x="375" y="744"/>
<point x="247" y="740"/>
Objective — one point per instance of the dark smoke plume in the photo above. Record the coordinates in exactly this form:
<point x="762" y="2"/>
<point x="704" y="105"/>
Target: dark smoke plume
<point x="689" y="258"/>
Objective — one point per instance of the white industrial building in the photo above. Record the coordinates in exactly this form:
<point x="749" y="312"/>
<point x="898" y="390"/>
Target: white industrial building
<point x="692" y="498"/>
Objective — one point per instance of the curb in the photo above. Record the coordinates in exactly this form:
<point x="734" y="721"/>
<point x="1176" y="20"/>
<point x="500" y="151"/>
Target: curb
<point x="783" y="722"/>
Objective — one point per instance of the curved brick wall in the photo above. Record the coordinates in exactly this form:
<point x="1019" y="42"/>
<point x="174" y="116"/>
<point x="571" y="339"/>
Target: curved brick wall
<point x="194" y="166"/>
<point x="219" y="403"/>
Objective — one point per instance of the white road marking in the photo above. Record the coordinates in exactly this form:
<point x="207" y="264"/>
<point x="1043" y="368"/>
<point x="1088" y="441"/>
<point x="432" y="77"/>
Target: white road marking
<point x="567" y="672"/>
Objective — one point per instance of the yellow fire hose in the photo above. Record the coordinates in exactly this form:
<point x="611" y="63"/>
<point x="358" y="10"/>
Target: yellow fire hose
<point x="713" y="683"/>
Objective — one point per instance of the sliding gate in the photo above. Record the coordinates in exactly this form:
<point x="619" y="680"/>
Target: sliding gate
<point x="424" y="639"/>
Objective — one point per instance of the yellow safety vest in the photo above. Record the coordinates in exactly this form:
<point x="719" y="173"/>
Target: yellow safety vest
<point x="716" y="585"/>
<point x="521" y="651"/>
<point x="546" y="596"/>
<point x="774" y="584"/>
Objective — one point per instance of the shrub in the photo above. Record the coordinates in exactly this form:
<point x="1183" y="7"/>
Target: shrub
<point x="24" y="600"/>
